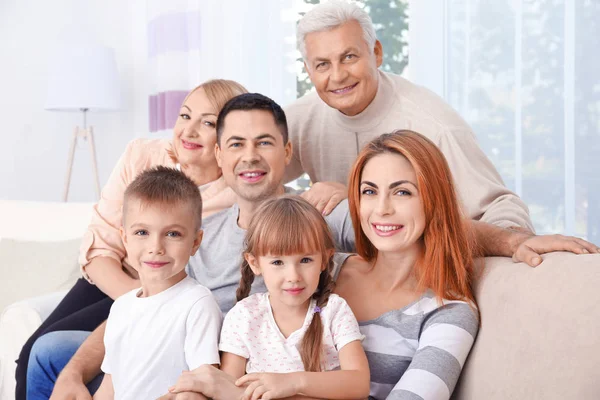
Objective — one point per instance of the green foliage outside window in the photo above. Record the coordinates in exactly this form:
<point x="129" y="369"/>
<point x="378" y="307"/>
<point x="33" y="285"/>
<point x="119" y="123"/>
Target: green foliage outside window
<point x="390" y="18"/>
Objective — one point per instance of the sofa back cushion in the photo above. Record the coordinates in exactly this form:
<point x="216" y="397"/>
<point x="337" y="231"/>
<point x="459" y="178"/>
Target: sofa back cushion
<point x="539" y="335"/>
<point x="39" y="243"/>
<point x="30" y="269"/>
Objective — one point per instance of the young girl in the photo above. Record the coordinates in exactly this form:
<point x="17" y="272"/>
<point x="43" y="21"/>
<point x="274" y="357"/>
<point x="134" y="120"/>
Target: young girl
<point x="286" y="338"/>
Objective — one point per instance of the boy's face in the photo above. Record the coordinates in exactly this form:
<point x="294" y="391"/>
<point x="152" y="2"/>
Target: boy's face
<point x="159" y="241"/>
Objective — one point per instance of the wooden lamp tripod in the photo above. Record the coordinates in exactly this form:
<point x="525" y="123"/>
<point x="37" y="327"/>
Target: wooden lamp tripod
<point x="86" y="134"/>
<point x="83" y="77"/>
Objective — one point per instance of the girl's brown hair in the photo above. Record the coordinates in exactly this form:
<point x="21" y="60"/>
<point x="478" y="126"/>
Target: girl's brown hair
<point x="446" y="265"/>
<point x="290" y="225"/>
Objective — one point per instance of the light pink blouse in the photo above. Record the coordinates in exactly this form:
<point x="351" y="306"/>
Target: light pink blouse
<point x="102" y="236"/>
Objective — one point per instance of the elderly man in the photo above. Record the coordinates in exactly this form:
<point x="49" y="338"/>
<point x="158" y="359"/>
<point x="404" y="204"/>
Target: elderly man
<point x="355" y="102"/>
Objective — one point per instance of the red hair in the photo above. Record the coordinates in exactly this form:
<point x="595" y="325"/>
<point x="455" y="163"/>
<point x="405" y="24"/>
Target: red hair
<point x="446" y="265"/>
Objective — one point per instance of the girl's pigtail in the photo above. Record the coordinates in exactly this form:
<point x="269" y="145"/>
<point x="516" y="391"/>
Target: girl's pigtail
<point x="245" y="281"/>
<point x="311" y="347"/>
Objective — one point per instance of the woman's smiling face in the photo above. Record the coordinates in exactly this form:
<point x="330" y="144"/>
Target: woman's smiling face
<point x="391" y="210"/>
<point x="194" y="134"/>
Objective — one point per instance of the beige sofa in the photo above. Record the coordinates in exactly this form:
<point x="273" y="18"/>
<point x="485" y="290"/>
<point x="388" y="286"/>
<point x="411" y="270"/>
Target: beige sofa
<point x="540" y="331"/>
<point x="39" y="243"/>
<point x="539" y="336"/>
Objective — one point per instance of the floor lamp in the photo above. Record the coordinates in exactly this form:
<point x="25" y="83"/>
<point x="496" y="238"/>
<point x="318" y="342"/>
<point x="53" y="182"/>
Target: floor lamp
<point x="83" y="78"/>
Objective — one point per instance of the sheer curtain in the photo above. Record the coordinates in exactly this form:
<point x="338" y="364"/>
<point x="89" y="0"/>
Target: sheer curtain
<point x="191" y="41"/>
<point x="525" y="74"/>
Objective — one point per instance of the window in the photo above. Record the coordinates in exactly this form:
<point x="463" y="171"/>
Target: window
<point x="525" y="75"/>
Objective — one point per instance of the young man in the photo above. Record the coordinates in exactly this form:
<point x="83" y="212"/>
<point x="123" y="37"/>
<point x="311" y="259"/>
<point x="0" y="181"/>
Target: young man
<point x="253" y="151"/>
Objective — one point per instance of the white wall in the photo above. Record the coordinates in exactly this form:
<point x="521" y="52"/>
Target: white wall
<point x="34" y="143"/>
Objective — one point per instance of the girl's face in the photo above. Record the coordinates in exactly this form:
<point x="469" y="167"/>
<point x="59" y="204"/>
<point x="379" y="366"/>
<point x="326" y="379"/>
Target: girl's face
<point x="194" y="134"/>
<point x="291" y="280"/>
<point x="391" y="210"/>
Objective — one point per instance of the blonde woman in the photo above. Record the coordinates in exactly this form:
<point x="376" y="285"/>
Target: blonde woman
<point x="103" y="258"/>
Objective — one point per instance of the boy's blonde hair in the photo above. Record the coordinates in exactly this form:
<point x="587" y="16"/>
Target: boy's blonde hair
<point x="168" y="187"/>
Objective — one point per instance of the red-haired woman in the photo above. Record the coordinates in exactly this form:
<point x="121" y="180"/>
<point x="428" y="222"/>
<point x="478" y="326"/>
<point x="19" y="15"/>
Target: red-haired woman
<point x="414" y="266"/>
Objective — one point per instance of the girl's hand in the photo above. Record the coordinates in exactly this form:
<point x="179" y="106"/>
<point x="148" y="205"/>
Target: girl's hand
<point x="268" y="386"/>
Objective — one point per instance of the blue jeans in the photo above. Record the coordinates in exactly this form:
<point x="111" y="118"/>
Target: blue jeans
<point x="49" y="355"/>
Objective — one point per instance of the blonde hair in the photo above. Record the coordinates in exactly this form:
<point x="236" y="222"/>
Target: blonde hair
<point x="166" y="187"/>
<point x="291" y="225"/>
<point x="218" y="92"/>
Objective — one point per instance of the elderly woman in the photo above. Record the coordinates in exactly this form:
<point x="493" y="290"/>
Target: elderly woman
<point x="102" y="255"/>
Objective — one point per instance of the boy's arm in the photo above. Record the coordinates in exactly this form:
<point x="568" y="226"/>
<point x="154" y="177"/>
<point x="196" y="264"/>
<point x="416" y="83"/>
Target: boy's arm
<point x="351" y="382"/>
<point x="83" y="366"/>
<point x="106" y="391"/>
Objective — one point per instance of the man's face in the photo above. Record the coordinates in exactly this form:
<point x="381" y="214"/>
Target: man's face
<point x="252" y="155"/>
<point x="343" y="68"/>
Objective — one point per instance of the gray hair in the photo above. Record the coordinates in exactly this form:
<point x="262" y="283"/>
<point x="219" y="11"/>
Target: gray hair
<point x="330" y="15"/>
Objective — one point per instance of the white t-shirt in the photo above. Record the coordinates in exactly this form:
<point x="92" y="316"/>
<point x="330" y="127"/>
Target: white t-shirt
<point x="250" y="331"/>
<point x="150" y="340"/>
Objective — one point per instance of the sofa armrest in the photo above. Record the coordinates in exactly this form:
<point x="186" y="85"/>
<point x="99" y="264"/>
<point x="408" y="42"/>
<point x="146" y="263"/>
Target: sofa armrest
<point x="17" y="322"/>
<point x="539" y="330"/>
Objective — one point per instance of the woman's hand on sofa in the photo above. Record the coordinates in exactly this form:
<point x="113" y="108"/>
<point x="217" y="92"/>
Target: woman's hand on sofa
<point x="529" y="248"/>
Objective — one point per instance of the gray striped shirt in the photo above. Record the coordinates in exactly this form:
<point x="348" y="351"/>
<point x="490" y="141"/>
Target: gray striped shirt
<point x="417" y="352"/>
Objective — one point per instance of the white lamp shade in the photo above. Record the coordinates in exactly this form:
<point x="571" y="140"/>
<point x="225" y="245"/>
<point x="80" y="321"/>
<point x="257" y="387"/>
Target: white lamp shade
<point x="83" y="76"/>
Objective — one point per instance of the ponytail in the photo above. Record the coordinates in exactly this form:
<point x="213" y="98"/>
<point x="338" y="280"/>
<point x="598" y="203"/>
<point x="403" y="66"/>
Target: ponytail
<point x="311" y="347"/>
<point x="245" y="281"/>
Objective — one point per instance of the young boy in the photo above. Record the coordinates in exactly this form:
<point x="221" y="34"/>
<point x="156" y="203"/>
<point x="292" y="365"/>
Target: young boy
<point x="172" y="323"/>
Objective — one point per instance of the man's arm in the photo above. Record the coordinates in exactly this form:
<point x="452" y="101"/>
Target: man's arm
<point x="82" y="368"/>
<point x="340" y="223"/>
<point x="524" y="246"/>
<point x="479" y="185"/>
